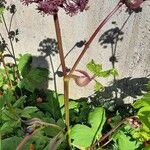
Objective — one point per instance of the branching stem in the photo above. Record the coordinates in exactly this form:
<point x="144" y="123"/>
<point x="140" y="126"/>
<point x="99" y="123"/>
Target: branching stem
<point x="12" y="47"/>
<point x="87" y="44"/>
<point x="59" y="40"/>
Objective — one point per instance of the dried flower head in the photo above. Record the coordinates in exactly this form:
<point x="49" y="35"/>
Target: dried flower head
<point x="134" y="122"/>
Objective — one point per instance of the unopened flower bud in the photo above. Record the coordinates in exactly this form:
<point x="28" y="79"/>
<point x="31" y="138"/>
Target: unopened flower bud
<point x="82" y="78"/>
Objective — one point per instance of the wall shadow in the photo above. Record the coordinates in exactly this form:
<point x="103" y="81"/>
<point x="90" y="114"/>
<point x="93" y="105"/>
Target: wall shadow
<point x="114" y="95"/>
<point x="48" y="48"/>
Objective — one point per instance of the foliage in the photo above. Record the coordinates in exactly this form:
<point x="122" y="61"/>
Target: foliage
<point x="82" y="135"/>
<point x="33" y="117"/>
<point x="143" y="106"/>
<point x="98" y="71"/>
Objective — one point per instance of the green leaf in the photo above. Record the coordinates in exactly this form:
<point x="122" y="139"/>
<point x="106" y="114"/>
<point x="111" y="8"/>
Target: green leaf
<point x="114" y="72"/>
<point x="143" y="102"/>
<point x="20" y="101"/>
<point x="35" y="77"/>
<point x="72" y="105"/>
<point x="61" y="100"/>
<point x="97" y="119"/>
<point x="94" y="68"/>
<point x="27" y="111"/>
<point x="6" y="98"/>
<point x="115" y="120"/>
<point x="24" y="64"/>
<point x="54" y="105"/>
<point x="145" y="119"/>
<point x="81" y="135"/>
<point x="40" y="140"/>
<point x="8" y="127"/>
<point x="98" y="86"/>
<point x="7" y="115"/>
<point x="147" y="147"/>
<point x="51" y="105"/>
<point x="105" y="74"/>
<point x="12" y="143"/>
<point x="2" y="10"/>
<point x="142" y="135"/>
<point x="124" y="142"/>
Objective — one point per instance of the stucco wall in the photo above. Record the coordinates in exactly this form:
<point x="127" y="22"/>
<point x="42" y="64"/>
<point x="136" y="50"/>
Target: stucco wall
<point x="132" y="51"/>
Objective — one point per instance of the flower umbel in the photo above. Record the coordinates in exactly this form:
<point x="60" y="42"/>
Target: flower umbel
<point x="74" y="6"/>
<point x="133" y="4"/>
<point x="51" y="7"/>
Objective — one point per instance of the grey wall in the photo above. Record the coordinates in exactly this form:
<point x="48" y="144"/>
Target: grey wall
<point x="132" y="53"/>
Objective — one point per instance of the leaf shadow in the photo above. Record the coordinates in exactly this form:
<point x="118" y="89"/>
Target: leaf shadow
<point x="117" y="95"/>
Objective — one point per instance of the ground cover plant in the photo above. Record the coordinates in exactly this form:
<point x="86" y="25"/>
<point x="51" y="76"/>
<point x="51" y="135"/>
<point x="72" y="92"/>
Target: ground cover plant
<point x="35" y="118"/>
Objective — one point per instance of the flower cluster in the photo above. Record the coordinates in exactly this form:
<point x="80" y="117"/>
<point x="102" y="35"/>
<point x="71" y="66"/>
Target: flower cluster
<point x="75" y="6"/>
<point x="71" y="7"/>
<point x="50" y="6"/>
<point x="132" y="4"/>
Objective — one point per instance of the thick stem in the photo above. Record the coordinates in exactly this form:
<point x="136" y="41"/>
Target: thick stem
<point x="66" y="79"/>
<point x="94" y="35"/>
<point x="66" y="101"/>
<point x="59" y="40"/>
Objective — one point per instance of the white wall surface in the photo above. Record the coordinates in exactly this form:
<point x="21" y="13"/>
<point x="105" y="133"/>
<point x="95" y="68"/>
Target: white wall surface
<point x="133" y="52"/>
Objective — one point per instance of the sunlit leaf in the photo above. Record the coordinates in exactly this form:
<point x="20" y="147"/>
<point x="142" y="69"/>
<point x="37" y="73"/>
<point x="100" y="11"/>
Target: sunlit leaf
<point x="81" y="136"/>
<point x="97" y="119"/>
<point x="125" y="142"/>
<point x="98" y="86"/>
<point x="94" y="68"/>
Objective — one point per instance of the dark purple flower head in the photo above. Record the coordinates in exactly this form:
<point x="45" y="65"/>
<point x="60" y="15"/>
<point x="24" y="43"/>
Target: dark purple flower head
<point x="133" y="4"/>
<point x="52" y="6"/>
<point x="74" y="6"/>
